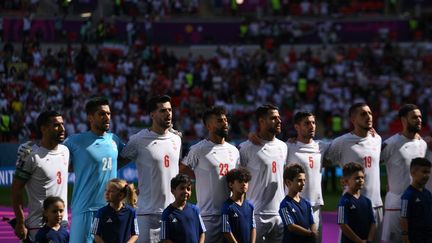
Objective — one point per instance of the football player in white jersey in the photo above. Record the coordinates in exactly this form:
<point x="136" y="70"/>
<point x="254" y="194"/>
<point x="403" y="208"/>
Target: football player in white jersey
<point x="362" y="147"/>
<point x="310" y="154"/>
<point x="266" y="160"/>
<point x="397" y="154"/>
<point x="211" y="159"/>
<point x="156" y="152"/>
<point x="43" y="172"/>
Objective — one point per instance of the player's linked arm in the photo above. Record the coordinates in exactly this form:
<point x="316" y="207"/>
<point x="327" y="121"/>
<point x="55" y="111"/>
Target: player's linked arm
<point x="302" y="231"/>
<point x="404" y="229"/>
<point x="17" y="203"/>
<point x="230" y="237"/>
<point x="133" y="239"/>
<point x="348" y="232"/>
<point x="202" y="238"/>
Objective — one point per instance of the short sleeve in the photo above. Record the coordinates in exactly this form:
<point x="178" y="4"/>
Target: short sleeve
<point x="25" y="164"/>
<point x="130" y="151"/>
<point x="165" y="227"/>
<point x="134" y="226"/>
<point x="311" y="219"/>
<point x="342" y="213"/>
<point x="333" y="153"/>
<point x="253" y="216"/>
<point x="191" y="158"/>
<point x="226" y="227"/>
<point x="119" y="142"/>
<point x="244" y="159"/>
<point x="371" y="212"/>
<point x="405" y="206"/>
<point x="285" y="214"/>
<point x="202" y="228"/>
<point x="97" y="224"/>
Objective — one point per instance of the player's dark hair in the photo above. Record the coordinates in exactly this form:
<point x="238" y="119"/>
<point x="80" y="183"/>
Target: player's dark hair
<point x="48" y="202"/>
<point x="299" y="116"/>
<point x="44" y="119"/>
<point x="420" y="162"/>
<point x="216" y="111"/>
<point x="405" y="109"/>
<point x="155" y="100"/>
<point x="241" y="174"/>
<point x="351" y="168"/>
<point x="354" y="108"/>
<point x="93" y="104"/>
<point x="292" y="171"/>
<point x="180" y="179"/>
<point x="263" y="111"/>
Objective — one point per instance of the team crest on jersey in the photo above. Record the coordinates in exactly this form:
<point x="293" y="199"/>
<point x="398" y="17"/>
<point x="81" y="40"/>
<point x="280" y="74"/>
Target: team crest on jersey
<point x="114" y="145"/>
<point x="174" y="145"/>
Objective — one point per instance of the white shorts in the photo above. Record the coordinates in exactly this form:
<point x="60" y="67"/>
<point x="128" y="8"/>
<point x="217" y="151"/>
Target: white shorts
<point x="269" y="228"/>
<point x="378" y="215"/>
<point x="391" y="226"/>
<point x="213" y="224"/>
<point x="149" y="228"/>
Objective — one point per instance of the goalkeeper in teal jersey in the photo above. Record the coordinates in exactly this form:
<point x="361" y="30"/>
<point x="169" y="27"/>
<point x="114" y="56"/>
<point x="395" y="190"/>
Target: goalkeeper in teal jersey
<point x="94" y="160"/>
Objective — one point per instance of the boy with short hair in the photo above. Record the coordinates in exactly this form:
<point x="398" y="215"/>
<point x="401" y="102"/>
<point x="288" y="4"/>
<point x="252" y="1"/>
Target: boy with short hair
<point x="238" y="223"/>
<point x="295" y="211"/>
<point x="355" y="213"/>
<point x="181" y="221"/>
<point x="416" y="210"/>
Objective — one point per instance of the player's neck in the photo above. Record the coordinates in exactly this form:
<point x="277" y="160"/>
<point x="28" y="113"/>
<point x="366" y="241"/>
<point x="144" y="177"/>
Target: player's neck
<point x="264" y="135"/>
<point x="55" y="226"/>
<point x="216" y="139"/>
<point x="97" y="131"/>
<point x="304" y="140"/>
<point x="294" y="195"/>
<point x="360" y="132"/>
<point x="179" y="204"/>
<point x="409" y="135"/>
<point x="417" y="186"/>
<point x="355" y="193"/>
<point x="116" y="205"/>
<point x="159" y="130"/>
<point x="48" y="144"/>
<point x="238" y="197"/>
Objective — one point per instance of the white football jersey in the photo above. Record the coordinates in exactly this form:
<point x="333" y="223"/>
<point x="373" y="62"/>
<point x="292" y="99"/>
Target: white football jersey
<point x="310" y="156"/>
<point x="157" y="161"/>
<point x="397" y="153"/>
<point x="46" y="174"/>
<point x="266" y="163"/>
<point x="211" y="162"/>
<point x="366" y="151"/>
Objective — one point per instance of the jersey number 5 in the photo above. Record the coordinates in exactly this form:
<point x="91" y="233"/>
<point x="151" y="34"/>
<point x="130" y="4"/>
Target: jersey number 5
<point x="311" y="162"/>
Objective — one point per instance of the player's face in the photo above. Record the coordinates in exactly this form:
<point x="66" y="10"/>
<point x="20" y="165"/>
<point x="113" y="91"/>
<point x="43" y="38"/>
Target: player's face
<point x="362" y="118"/>
<point x="356" y="181"/>
<point x="218" y="125"/>
<point x="182" y="192"/>
<point x="420" y="175"/>
<point x="239" y="186"/>
<point x="100" y="120"/>
<point x="54" y="213"/>
<point x="298" y="183"/>
<point x="55" y="129"/>
<point x="306" y="128"/>
<point x="414" y="121"/>
<point x="113" y="194"/>
<point x="162" y="116"/>
<point x="272" y="122"/>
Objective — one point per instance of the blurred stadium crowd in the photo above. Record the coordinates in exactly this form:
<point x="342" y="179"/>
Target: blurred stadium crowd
<point x="324" y="79"/>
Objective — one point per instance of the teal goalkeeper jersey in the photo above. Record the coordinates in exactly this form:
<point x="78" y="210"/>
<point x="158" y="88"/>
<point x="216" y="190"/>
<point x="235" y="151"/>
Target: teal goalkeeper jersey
<point x="94" y="161"/>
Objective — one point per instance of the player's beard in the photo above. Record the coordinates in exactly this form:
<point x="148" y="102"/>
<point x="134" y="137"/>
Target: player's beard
<point x="412" y="128"/>
<point x="221" y="132"/>
<point x="274" y="130"/>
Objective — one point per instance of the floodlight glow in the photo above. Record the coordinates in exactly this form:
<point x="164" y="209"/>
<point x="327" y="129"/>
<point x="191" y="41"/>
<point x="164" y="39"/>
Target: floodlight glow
<point x="239" y="1"/>
<point x="86" y="15"/>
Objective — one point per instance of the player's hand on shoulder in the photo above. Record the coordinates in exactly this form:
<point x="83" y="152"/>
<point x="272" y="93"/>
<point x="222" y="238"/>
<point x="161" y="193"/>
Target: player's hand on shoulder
<point x="24" y="150"/>
<point x="253" y="137"/>
<point x="176" y="132"/>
